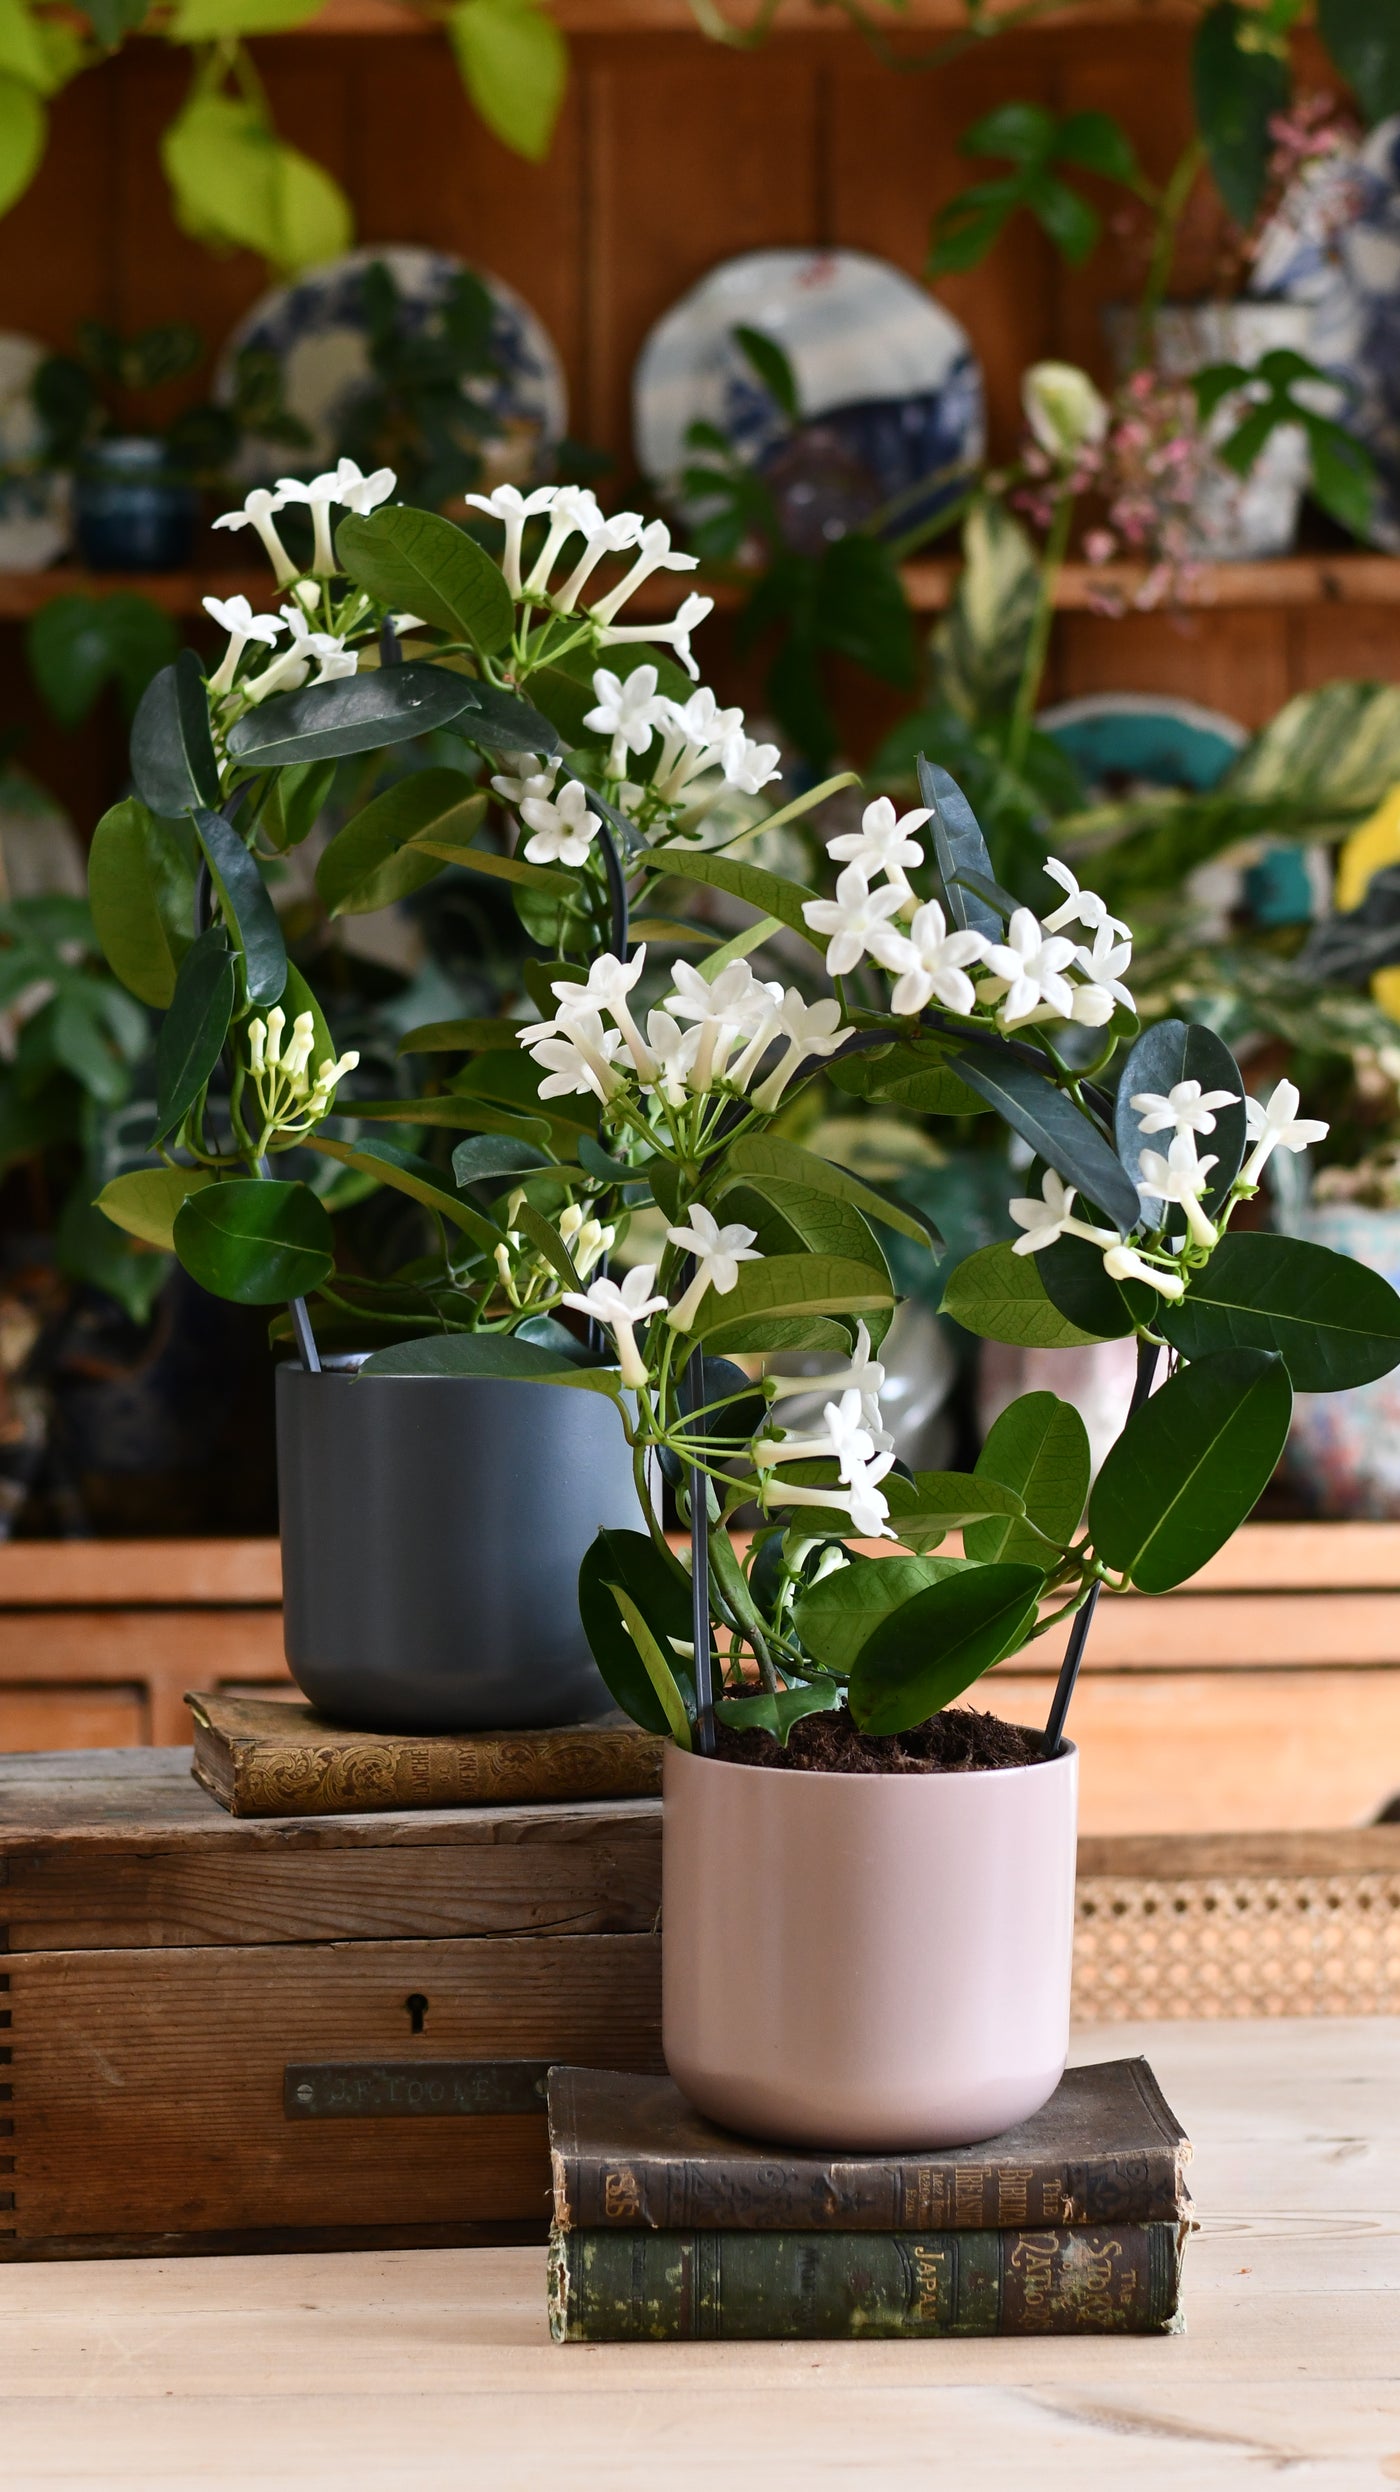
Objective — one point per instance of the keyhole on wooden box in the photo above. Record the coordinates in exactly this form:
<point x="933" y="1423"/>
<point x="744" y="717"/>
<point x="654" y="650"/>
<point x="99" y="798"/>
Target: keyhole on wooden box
<point x="415" y="2008"/>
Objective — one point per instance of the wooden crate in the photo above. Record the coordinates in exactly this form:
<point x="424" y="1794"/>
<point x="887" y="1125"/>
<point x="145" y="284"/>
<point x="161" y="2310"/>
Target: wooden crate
<point x="165" y="1965"/>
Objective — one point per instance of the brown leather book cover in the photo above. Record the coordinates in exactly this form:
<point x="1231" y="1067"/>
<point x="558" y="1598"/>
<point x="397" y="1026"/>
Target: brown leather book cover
<point x="260" y="1757"/>
<point x="628" y="2151"/>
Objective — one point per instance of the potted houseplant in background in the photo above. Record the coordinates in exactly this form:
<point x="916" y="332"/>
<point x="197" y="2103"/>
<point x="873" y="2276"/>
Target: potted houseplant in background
<point x="136" y="488"/>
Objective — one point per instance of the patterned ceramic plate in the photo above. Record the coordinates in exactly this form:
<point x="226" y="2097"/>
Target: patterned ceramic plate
<point x="1335" y="246"/>
<point x="316" y="329"/>
<point x="888" y="388"/>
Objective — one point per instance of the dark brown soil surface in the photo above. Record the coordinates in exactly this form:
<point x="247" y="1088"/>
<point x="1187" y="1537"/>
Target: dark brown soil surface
<point x="958" y="1742"/>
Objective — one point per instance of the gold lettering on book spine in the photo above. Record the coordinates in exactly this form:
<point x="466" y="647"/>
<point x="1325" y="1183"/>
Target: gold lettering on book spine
<point x="1013" y="2183"/>
<point x="932" y="2280"/>
<point x="970" y="2195"/>
<point x="622" y="2198"/>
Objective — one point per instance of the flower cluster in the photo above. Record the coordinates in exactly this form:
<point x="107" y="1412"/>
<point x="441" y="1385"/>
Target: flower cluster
<point x="342" y="484"/>
<point x="573" y="511"/>
<point x="290" y="1101"/>
<point x="1144" y="455"/>
<point x="527" y="1277"/>
<point x="1039" y="973"/>
<point x="707" y="1034"/>
<point x="1175" y="1179"/>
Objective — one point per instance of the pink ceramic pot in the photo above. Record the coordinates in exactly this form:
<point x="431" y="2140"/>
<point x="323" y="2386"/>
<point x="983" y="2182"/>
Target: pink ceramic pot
<point x="867" y="1960"/>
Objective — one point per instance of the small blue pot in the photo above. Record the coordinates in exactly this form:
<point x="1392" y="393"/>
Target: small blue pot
<point x="131" y="512"/>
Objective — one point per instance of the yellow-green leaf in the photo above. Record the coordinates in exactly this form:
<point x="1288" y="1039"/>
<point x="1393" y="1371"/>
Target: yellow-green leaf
<point x="515" y="66"/>
<point x="146" y="1200"/>
<point x="24" y="128"/>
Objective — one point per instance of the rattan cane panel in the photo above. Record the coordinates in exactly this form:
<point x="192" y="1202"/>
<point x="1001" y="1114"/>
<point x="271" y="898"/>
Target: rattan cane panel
<point x="1249" y="1946"/>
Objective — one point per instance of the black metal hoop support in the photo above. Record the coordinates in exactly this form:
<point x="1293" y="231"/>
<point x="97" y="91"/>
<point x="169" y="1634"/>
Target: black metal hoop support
<point x="1053" y="1741"/>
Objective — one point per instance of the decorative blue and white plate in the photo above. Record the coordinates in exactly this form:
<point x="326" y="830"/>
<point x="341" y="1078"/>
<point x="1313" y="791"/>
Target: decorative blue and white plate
<point x="888" y="389"/>
<point x="316" y="329"/>
<point x="34" y="523"/>
<point x="1335" y="246"/>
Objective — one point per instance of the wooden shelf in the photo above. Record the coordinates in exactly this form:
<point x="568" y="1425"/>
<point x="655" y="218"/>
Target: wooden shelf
<point x="795" y="17"/>
<point x="1294" y="581"/>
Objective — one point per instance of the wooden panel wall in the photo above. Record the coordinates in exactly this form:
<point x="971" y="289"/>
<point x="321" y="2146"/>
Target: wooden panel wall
<point x="672" y="154"/>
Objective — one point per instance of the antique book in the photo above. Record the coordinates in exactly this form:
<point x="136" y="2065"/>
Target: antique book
<point x="260" y="1757"/>
<point x="607" y="2285"/>
<point x="628" y="2151"/>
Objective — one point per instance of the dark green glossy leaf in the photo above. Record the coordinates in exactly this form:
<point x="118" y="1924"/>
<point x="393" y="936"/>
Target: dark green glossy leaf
<point x="772" y="894"/>
<point x="77" y="644"/>
<point x="498" y="868"/>
<point x="1334" y="1322"/>
<point x="1000" y="1296"/>
<point x="755" y="1157"/>
<point x="457" y="1115"/>
<point x="785" y="1286"/>
<point x="1182" y="1051"/>
<point x="923" y="1655"/>
<point x="459" y="1038"/>
<point x="1189" y="1466"/>
<point x="294" y="802"/>
<point x="912" y="1074"/>
<point x="1363" y="37"/>
<point x="1039" y="1448"/>
<point x="1074" y="1280"/>
<point x="255" y="1240"/>
<point x="1056" y="1130"/>
<point x="357" y="714"/>
<point x="1238" y="86"/>
<point x="959" y="848"/>
<point x="488" y="1156"/>
<point x="505" y="724"/>
<point x="424" y="564"/>
<point x="193" y="1031"/>
<point x="835" y="1617"/>
<point x="141" y="886"/>
<point x="925" y="1509"/>
<point x="370" y="864"/>
<point x="407" y="1174"/>
<point x="780" y="1714"/>
<point x="172" y="751"/>
<point x="489" y="1354"/>
<point x="248" y="909"/>
<point x="661" y="1594"/>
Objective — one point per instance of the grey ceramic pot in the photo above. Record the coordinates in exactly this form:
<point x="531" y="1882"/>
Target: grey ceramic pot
<point x="432" y="1533"/>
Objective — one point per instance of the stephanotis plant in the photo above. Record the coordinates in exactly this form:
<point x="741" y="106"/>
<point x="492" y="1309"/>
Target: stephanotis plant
<point x="648" y="1083"/>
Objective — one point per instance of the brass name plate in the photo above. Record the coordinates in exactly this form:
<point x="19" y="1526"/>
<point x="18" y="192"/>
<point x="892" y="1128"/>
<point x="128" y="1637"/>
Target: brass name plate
<point x="413" y="2089"/>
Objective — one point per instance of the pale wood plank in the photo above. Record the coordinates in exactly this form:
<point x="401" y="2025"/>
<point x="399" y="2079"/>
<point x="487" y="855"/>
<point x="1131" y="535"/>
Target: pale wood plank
<point x="1191" y="1752"/>
<point x="1306" y="1631"/>
<point x="116" y="1574"/>
<point x="383" y="2367"/>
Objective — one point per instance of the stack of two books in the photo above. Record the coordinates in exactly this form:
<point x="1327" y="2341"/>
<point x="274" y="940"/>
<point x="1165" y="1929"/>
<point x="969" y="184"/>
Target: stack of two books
<point x="665" y="2226"/>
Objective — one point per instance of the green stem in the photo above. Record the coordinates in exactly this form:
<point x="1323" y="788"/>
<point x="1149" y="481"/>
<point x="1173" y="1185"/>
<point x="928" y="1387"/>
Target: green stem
<point x="1171" y="209"/>
<point x="1038" y="640"/>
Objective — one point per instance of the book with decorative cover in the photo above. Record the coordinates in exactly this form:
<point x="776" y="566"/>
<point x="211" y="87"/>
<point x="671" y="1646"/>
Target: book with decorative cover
<point x="259" y="1757"/>
<point x="628" y="2152"/>
<point x="1085" y="2280"/>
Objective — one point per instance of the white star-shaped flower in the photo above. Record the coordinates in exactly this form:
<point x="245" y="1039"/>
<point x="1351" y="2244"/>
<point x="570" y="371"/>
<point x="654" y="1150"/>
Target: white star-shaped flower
<point x="856" y="921"/>
<point x="1275" y="1125"/>
<point x="1180" y="1178"/>
<point x="884" y="844"/>
<point x="1052" y="1217"/>
<point x="1184" y="1109"/>
<point x="1082" y="908"/>
<point x="928" y="961"/>
<point x="1032" y="964"/>
<point x="562" y="828"/>
<point x="718" y="1254"/>
<point x="620" y="1307"/>
<point x="628" y="709"/>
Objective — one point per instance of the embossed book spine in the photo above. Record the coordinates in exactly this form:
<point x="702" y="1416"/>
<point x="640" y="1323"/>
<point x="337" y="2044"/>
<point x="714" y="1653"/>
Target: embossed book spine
<point x="1083" y="2280"/>
<point x="628" y="2150"/>
<point x="269" y="1759"/>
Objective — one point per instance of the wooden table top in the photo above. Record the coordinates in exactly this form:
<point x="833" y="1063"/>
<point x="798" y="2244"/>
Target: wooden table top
<point x="423" y="2371"/>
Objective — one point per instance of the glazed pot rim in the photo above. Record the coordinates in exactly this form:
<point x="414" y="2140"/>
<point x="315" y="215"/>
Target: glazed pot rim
<point x="975" y="1774"/>
<point x="337" y="1364"/>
